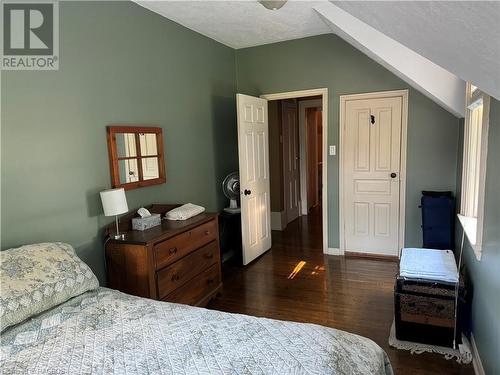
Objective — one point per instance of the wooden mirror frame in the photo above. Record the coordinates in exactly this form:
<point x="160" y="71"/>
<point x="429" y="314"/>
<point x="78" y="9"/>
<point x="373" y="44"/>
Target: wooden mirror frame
<point x="114" y="158"/>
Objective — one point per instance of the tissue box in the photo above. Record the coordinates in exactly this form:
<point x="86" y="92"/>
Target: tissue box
<point x="143" y="223"/>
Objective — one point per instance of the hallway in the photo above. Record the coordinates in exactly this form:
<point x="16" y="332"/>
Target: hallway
<point x="296" y="281"/>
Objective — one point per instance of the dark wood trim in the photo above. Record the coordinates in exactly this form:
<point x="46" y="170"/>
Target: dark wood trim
<point x="135" y="129"/>
<point x="113" y="163"/>
<point x="126" y="158"/>
<point x="136" y="157"/>
<point x="111" y="131"/>
<point x="139" y="156"/>
<point x="161" y="157"/>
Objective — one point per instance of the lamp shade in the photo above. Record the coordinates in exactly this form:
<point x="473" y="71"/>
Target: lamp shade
<point x="114" y="202"/>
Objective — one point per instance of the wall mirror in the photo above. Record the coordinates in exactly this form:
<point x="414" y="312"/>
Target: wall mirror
<point x="136" y="156"/>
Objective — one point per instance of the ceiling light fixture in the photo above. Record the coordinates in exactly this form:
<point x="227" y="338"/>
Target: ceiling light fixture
<point x="272" y="5"/>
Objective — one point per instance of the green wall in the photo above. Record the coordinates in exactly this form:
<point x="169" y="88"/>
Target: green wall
<point x="485" y="274"/>
<point x="328" y="61"/>
<point x="119" y="64"/>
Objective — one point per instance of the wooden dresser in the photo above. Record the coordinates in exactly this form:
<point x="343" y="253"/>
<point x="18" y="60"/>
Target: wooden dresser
<point x="178" y="261"/>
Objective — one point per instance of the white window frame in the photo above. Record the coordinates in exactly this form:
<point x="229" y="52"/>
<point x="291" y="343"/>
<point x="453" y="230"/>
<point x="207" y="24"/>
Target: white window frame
<point x="472" y="222"/>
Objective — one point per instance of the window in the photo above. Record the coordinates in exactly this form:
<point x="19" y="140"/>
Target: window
<point x="136" y="156"/>
<point x="474" y="165"/>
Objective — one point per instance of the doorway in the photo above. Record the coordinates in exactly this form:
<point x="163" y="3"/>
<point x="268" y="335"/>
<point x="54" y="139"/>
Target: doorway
<point x="297" y="157"/>
<point x="373" y="172"/>
<point x="311" y="157"/>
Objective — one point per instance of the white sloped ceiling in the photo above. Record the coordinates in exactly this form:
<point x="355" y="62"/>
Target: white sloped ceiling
<point x="461" y="36"/>
<point x="445" y="42"/>
<point x="437" y="83"/>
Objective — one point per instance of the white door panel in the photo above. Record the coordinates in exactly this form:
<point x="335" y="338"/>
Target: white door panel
<point x="253" y="150"/>
<point x="371" y="155"/>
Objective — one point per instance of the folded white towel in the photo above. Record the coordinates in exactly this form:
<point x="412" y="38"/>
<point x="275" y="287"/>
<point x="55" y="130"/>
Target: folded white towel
<point x="428" y="264"/>
<point x="184" y="212"/>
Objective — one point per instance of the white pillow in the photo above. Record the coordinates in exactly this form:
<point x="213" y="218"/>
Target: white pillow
<point x="35" y="278"/>
<point x="184" y="212"/>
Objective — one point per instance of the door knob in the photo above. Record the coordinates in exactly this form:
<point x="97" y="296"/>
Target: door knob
<point x="393" y="175"/>
<point x="247" y="192"/>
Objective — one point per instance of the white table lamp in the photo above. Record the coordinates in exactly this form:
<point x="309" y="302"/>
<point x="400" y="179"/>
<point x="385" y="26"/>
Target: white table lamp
<point x="114" y="203"/>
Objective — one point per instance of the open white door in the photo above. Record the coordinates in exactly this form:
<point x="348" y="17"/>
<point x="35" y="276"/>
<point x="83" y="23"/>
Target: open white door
<point x="253" y="150"/>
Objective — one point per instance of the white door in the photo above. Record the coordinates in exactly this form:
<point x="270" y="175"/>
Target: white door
<point x="253" y="150"/>
<point x="291" y="180"/>
<point x="372" y="158"/>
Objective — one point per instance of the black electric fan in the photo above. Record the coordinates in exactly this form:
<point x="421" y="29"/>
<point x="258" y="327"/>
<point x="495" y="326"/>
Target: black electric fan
<point x="231" y="189"/>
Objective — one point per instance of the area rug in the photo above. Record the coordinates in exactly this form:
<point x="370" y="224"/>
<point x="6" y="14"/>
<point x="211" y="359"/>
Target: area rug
<point x="462" y="355"/>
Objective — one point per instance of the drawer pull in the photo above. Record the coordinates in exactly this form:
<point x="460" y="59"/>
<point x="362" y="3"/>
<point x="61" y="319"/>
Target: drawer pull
<point x="207" y="232"/>
<point x="210" y="281"/>
<point x="175" y="277"/>
<point x="209" y="256"/>
<point x="173" y="250"/>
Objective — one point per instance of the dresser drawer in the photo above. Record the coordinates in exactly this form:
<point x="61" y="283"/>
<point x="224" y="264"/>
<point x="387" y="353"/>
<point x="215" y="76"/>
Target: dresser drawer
<point x="180" y="272"/>
<point x="198" y="288"/>
<point x="179" y="246"/>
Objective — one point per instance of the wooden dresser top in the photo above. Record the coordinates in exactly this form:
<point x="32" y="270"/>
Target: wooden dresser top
<point x="167" y="229"/>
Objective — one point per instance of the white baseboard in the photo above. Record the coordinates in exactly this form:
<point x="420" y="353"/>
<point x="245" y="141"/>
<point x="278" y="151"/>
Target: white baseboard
<point x="278" y="220"/>
<point x="476" y="359"/>
<point x="333" y="251"/>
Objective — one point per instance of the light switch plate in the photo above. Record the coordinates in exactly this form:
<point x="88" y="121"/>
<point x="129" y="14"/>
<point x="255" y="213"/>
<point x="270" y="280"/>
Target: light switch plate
<point x="333" y="150"/>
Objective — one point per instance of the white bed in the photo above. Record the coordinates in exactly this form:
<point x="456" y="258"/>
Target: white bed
<point x="103" y="331"/>
<point x="108" y="332"/>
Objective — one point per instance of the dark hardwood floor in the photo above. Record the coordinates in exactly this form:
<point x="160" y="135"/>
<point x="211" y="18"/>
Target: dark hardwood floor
<point x="352" y="294"/>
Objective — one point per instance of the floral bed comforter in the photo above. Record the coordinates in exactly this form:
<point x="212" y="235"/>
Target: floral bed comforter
<point x="107" y="332"/>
